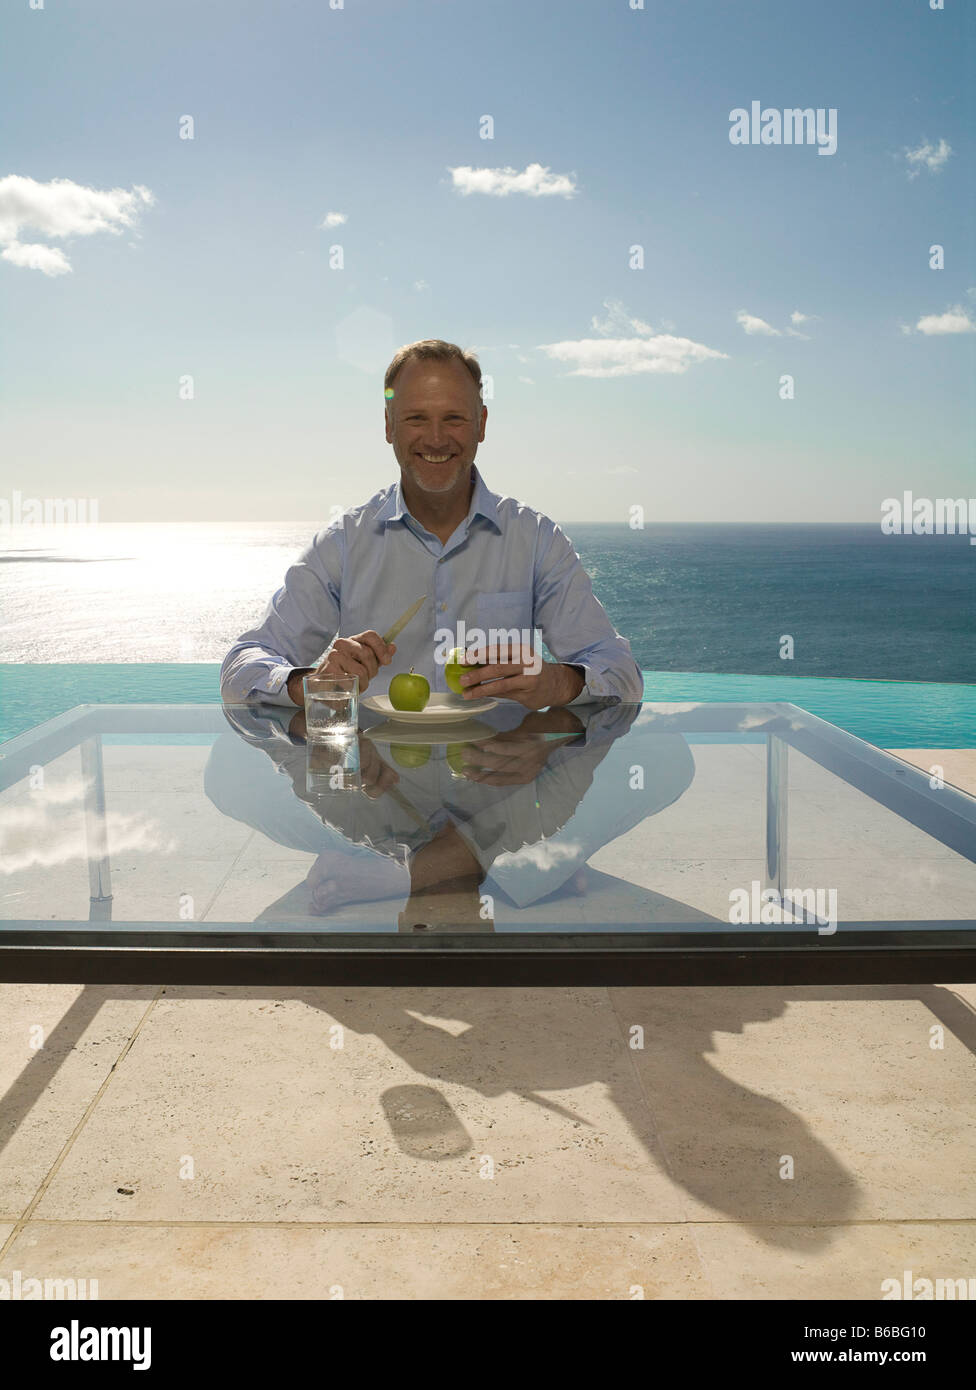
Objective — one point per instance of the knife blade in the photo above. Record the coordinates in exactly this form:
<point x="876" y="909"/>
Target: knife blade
<point x="403" y="619"/>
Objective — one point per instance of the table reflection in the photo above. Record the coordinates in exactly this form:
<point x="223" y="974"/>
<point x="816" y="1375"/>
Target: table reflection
<point x="435" y="824"/>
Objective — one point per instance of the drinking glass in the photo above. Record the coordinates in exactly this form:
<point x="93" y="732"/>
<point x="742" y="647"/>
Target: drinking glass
<point x="331" y="706"/>
<point x="332" y="765"/>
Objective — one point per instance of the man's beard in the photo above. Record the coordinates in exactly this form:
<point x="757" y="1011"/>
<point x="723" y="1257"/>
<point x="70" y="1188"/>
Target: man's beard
<point x="449" y="482"/>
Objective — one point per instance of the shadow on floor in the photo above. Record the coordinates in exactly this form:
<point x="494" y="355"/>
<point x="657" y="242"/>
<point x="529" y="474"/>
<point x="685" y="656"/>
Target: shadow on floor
<point x="723" y="1142"/>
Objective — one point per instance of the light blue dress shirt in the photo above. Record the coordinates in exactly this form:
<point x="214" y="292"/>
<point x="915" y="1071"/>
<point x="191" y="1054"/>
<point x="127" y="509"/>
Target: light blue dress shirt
<point x="505" y="566"/>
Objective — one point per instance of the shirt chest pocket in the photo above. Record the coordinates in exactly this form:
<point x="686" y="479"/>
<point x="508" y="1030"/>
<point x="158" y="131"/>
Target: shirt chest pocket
<point x="506" y="609"/>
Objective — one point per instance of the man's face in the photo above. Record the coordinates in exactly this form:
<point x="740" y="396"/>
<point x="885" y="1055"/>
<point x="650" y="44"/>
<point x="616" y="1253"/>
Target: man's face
<point x="435" y="423"/>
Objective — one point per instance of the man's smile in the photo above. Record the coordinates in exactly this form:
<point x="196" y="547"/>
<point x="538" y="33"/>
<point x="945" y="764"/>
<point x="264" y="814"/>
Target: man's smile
<point x="435" y="458"/>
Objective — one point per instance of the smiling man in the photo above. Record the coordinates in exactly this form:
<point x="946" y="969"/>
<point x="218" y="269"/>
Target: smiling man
<point x="482" y="560"/>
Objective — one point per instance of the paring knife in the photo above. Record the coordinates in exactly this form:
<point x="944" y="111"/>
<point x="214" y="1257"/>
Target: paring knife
<point x="403" y="619"/>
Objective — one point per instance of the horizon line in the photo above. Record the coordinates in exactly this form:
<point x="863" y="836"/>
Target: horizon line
<point x="6" y="527"/>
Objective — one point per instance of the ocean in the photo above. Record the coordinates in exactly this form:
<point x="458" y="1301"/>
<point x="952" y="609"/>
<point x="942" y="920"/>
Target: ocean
<point x="690" y="598"/>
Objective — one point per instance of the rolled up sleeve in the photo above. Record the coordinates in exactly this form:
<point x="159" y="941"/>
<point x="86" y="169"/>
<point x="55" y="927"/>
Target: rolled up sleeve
<point x="576" y="628"/>
<point x="300" y="623"/>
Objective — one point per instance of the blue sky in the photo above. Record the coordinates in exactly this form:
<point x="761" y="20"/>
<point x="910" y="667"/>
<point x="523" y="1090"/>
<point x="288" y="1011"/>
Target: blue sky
<point x="220" y="270"/>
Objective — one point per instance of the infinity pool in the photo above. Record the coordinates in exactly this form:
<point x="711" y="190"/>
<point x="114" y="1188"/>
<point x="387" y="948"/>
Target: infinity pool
<point x="890" y="714"/>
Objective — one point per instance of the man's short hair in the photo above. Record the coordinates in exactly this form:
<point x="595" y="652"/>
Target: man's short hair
<point x="430" y="350"/>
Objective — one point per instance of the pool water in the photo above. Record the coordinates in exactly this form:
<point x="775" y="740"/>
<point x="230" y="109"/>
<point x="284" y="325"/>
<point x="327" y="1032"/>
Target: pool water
<point x="890" y="714"/>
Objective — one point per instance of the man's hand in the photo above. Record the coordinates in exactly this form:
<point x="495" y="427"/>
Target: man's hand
<point x="361" y="656"/>
<point x="512" y="758"/>
<point x="520" y="675"/>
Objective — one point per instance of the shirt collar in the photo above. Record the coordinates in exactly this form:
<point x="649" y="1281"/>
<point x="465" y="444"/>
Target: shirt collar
<point x="483" y="503"/>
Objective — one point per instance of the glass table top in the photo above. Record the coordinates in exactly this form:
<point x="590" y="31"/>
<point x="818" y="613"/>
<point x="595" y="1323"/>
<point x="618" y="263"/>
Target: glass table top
<point x="607" y="843"/>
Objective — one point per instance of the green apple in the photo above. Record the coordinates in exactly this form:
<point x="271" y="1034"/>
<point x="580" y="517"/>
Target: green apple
<point x="456" y="664"/>
<point x="410" y="754"/>
<point x="409" y="691"/>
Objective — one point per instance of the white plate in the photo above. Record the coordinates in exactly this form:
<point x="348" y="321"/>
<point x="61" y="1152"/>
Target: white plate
<point x="441" y="708"/>
<point x="435" y="736"/>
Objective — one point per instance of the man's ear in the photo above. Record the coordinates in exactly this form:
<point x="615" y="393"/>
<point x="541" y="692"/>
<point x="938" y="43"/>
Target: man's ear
<point x="484" y="418"/>
<point x="386" y="425"/>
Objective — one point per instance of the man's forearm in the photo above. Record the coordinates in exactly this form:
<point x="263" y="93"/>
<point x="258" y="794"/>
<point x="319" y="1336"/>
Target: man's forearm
<point x="568" y="682"/>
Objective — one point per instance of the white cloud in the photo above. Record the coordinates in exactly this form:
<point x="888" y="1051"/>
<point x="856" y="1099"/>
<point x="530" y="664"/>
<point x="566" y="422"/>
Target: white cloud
<point x="51" y="831"/>
<point x="612" y="357"/>
<point x="618" y="320"/>
<point x="421" y="285"/>
<point x="61" y="209"/>
<point x="925" y="156"/>
<point x="546" y="854"/>
<point x="797" y="317"/>
<point x="50" y="260"/>
<point x="955" y="320"/>
<point x="535" y="180"/>
<point x="333" y="219"/>
<point x="754" y="325"/>
<point x="639" y="354"/>
<point x="528" y="380"/>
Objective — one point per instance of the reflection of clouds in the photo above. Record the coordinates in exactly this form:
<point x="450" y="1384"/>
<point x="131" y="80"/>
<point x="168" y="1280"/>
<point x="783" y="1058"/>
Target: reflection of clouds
<point x="71" y="789"/>
<point x="756" y="717"/>
<point x="762" y="717"/>
<point x="51" y="830"/>
<point x="545" y="854"/>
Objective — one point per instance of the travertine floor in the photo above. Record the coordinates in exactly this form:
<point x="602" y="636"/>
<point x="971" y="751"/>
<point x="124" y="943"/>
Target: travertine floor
<point x="586" y="1143"/>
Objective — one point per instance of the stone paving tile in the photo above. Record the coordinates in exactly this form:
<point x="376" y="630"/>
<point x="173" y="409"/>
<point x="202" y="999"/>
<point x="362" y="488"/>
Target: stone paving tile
<point x="840" y="1087"/>
<point x="828" y="1262"/>
<point x="403" y="1262"/>
<point x="58" y="1043"/>
<point x="501" y="1105"/>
